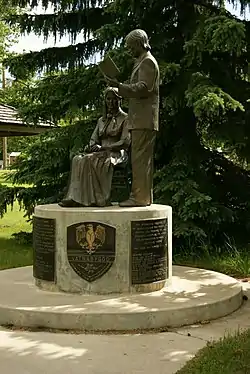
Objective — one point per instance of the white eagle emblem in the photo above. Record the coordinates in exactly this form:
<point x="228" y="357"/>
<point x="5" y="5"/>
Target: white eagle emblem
<point x="90" y="239"/>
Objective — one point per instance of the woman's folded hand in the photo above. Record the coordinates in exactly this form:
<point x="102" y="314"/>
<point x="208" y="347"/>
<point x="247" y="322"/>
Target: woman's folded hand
<point x="95" y="148"/>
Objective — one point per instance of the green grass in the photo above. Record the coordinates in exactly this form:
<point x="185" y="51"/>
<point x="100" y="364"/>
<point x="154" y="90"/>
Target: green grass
<point x="233" y="262"/>
<point x="4" y="175"/>
<point x="13" y="253"/>
<point x="6" y="179"/>
<point x="230" y="355"/>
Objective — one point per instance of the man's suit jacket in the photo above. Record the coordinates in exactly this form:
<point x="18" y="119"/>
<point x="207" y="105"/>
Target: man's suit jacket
<point x="143" y="94"/>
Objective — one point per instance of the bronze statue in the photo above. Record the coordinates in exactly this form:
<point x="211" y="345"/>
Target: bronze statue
<point x="92" y="171"/>
<point x="143" y="94"/>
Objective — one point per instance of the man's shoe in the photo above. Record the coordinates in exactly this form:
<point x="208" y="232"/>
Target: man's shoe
<point x="132" y="203"/>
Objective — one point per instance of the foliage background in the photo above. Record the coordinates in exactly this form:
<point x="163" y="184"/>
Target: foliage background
<point x="202" y="152"/>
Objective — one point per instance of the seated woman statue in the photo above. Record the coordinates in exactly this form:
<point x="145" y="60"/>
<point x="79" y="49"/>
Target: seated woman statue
<point x="92" y="171"/>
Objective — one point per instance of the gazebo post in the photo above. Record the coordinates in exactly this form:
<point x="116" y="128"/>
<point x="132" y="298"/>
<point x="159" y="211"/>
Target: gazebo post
<point x="5" y="161"/>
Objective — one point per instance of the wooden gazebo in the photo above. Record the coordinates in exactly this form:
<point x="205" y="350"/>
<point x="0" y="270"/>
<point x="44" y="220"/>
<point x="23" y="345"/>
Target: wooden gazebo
<point x="12" y="125"/>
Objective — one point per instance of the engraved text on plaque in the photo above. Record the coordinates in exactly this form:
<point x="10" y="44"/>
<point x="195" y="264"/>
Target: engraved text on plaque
<point x="149" y="251"/>
<point x="44" y="248"/>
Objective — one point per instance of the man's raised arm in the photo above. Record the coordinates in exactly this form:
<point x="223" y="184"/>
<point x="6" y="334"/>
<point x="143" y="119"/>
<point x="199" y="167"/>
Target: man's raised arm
<point x="145" y="84"/>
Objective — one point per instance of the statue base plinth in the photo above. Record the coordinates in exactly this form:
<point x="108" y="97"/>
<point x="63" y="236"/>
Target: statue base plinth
<point x="109" y="250"/>
<point x="195" y="295"/>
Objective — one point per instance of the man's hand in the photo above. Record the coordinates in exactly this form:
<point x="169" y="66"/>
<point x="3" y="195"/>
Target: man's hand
<point x="112" y="82"/>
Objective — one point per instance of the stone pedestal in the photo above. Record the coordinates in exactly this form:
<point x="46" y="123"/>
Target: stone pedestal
<point x="102" y="250"/>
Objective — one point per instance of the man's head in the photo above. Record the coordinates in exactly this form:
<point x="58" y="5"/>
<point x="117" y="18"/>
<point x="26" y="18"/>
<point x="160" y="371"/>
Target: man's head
<point x="137" y="42"/>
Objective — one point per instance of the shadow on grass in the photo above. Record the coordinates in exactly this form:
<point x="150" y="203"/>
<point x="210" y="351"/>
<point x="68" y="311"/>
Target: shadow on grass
<point x="234" y="263"/>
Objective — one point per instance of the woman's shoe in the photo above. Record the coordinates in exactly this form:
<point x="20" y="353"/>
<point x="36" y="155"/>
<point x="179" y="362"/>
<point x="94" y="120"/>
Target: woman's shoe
<point x="69" y="204"/>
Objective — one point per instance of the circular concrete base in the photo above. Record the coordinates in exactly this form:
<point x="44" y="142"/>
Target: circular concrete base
<point x="196" y="295"/>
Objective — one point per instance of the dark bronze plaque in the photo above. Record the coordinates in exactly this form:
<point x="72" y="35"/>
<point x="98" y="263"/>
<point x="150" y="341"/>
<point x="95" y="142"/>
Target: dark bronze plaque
<point x="91" y="249"/>
<point x="149" y="251"/>
<point x="44" y="248"/>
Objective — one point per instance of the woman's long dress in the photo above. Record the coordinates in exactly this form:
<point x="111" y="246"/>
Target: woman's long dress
<point x="92" y="173"/>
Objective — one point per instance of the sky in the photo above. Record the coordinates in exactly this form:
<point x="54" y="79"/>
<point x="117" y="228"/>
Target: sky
<point x="33" y="42"/>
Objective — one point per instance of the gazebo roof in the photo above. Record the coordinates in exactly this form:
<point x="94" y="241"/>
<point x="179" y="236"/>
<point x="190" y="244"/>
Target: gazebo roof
<point x="12" y="125"/>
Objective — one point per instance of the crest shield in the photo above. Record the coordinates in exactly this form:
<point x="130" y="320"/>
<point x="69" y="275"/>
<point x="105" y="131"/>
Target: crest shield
<point x="91" y="249"/>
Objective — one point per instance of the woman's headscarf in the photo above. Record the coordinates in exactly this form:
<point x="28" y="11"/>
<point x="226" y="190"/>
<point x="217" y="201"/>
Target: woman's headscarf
<point x="112" y="89"/>
<point x="116" y="93"/>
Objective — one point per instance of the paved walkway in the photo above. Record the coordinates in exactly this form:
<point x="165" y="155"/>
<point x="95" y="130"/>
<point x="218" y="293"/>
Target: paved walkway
<point x="24" y="352"/>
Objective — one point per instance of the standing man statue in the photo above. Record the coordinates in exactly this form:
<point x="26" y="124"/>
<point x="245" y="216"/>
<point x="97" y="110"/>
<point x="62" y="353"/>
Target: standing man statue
<point x="143" y="116"/>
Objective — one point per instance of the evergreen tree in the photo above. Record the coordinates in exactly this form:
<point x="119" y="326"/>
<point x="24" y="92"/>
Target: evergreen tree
<point x="203" y="146"/>
<point x="8" y="34"/>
